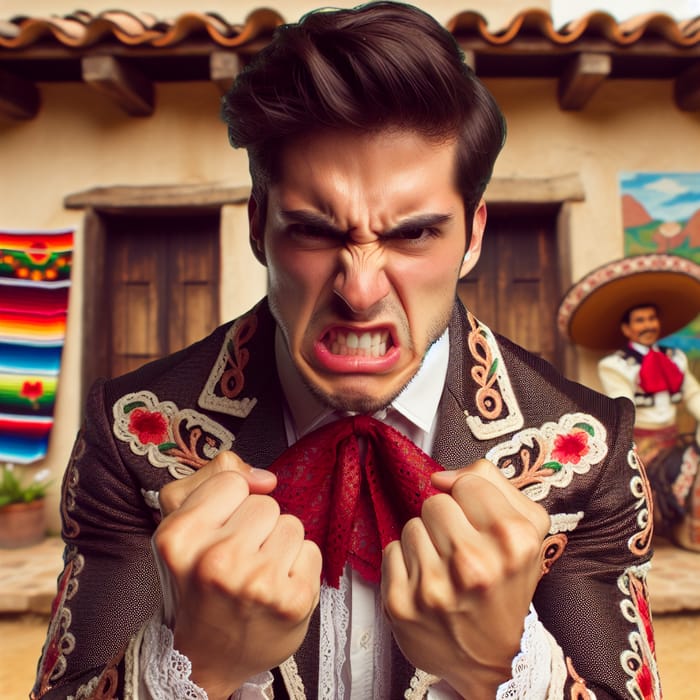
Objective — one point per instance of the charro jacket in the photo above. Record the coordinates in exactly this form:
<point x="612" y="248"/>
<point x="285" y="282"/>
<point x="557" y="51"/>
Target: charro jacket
<point x="567" y="447"/>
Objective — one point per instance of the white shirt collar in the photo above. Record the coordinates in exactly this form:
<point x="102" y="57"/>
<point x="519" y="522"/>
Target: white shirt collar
<point x="418" y="402"/>
<point x="642" y="349"/>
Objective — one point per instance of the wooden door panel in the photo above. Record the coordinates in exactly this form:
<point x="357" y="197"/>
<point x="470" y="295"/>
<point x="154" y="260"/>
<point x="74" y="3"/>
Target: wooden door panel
<point x="135" y="321"/>
<point x="162" y="278"/>
<point x="513" y="289"/>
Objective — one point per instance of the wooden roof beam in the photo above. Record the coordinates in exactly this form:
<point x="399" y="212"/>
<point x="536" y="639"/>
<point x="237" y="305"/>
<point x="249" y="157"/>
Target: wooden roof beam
<point x="122" y="83"/>
<point x="224" y="66"/>
<point x="19" y="98"/>
<point x="581" y="78"/>
<point x="686" y="90"/>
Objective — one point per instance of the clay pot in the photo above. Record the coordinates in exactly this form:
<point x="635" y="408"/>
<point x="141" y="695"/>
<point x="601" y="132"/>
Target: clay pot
<point x="22" y="524"/>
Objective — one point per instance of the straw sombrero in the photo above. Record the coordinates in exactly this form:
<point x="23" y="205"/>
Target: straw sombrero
<point x="591" y="311"/>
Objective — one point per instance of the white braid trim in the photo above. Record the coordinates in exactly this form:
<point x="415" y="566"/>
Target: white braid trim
<point x="334" y="624"/>
<point x="532" y="668"/>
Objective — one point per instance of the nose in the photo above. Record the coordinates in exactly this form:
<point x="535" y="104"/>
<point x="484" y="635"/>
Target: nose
<point x="361" y="281"/>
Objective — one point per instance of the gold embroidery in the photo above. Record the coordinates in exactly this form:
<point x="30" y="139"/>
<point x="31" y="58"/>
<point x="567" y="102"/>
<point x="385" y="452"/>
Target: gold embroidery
<point x="495" y="400"/>
<point x="232" y="380"/>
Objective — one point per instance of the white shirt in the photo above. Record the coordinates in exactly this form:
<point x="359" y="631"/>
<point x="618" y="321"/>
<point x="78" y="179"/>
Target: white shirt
<point x="620" y="377"/>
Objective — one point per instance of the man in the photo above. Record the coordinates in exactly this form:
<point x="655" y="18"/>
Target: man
<point x="509" y="563"/>
<point x="631" y="304"/>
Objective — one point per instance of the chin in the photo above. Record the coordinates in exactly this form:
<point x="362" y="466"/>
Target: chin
<point x="353" y="400"/>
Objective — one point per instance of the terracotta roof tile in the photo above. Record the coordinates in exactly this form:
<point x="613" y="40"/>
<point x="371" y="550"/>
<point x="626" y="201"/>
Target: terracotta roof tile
<point x="83" y="29"/>
<point x="601" y="25"/>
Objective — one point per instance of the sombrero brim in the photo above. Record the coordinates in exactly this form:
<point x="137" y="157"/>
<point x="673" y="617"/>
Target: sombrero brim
<point x="591" y="311"/>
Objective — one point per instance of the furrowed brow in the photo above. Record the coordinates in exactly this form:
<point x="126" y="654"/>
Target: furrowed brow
<point x="311" y="219"/>
<point x="421" y="221"/>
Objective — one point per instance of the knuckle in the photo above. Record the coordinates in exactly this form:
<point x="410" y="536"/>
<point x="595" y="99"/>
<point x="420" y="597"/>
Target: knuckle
<point x="226" y="461"/>
<point x="291" y="525"/>
<point x="433" y="595"/>
<point x="168" y="538"/>
<point x="264" y="507"/>
<point x="411" y="530"/>
<point x="396" y="605"/>
<point x="171" y="497"/>
<point x="434" y="504"/>
<point x="470" y="572"/>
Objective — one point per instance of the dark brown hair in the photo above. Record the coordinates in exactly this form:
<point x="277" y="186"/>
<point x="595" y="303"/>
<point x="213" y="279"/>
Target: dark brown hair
<point x="642" y="305"/>
<point x="380" y="65"/>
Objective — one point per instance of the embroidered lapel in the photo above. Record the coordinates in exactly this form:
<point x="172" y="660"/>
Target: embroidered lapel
<point x="478" y="404"/>
<point x="226" y="380"/>
<point x="495" y="411"/>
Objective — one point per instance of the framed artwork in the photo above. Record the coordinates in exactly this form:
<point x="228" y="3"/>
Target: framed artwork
<point x="661" y="214"/>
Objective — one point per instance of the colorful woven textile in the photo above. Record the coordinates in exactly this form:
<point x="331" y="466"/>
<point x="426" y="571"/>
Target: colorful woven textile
<point x="34" y="284"/>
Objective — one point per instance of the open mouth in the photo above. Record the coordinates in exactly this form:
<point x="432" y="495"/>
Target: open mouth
<point x="374" y="343"/>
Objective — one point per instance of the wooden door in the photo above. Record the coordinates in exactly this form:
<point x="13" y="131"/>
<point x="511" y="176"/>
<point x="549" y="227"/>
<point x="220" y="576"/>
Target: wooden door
<point x="514" y="288"/>
<point x="162" y="285"/>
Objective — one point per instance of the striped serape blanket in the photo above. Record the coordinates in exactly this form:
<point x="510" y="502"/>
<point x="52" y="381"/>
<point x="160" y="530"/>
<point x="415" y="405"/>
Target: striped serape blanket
<point x="35" y="271"/>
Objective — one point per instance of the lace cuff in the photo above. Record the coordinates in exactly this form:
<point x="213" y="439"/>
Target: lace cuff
<point x="538" y="670"/>
<point x="165" y="671"/>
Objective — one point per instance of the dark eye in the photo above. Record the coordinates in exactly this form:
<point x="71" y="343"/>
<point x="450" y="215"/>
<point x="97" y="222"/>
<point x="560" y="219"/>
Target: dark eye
<point x="311" y="235"/>
<point x="411" y="233"/>
<point x="310" y="231"/>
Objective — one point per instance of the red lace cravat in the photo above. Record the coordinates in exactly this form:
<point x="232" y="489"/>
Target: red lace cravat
<point x="659" y="373"/>
<point x="352" y="507"/>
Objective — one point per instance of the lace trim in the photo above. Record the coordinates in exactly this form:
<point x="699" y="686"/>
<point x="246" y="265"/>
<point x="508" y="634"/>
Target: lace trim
<point x="382" y="651"/>
<point x="532" y="668"/>
<point x="131" y="666"/>
<point x="292" y="679"/>
<point x="334" y="624"/>
<point x="256" y="688"/>
<point x="166" y="672"/>
<point x="420" y="684"/>
<point x="559" y="671"/>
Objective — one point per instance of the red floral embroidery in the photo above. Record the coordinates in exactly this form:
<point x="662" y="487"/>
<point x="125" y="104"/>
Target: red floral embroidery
<point x="571" y="447"/>
<point x="148" y="426"/>
<point x="32" y="390"/>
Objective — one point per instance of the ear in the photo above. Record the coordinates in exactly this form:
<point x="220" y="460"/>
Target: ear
<point x="255" y="227"/>
<point x="471" y="257"/>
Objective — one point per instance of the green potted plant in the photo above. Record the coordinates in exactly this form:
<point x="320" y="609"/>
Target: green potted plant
<point x="22" y="507"/>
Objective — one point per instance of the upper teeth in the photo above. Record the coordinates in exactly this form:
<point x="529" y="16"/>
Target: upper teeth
<point x="370" y="343"/>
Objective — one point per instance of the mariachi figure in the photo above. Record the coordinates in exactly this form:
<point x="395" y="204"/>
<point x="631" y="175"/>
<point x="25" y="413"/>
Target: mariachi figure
<point x="627" y="306"/>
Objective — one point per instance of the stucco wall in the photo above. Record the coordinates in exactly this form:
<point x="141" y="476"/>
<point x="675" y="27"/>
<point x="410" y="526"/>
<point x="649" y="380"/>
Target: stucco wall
<point x="80" y="140"/>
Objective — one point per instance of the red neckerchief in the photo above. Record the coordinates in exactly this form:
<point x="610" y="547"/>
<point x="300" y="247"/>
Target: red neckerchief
<point x="351" y="507"/>
<point x="659" y="373"/>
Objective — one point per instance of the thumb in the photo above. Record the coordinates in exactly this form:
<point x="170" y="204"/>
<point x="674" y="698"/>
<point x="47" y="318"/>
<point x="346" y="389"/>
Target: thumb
<point x="173" y="495"/>
<point x="444" y="481"/>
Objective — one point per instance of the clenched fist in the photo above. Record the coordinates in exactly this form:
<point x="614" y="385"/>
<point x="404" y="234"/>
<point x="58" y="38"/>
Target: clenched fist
<point x="239" y="580"/>
<point x="458" y="584"/>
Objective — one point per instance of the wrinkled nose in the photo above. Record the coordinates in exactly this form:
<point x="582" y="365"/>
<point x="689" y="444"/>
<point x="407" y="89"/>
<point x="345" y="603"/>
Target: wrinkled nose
<point x="361" y="281"/>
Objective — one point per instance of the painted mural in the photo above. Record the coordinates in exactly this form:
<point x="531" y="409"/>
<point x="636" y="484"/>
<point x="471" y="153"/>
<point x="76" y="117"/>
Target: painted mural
<point x="661" y="214"/>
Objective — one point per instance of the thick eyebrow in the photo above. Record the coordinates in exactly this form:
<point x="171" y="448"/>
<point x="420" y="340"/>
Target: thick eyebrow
<point x="311" y="219"/>
<point x="420" y="221"/>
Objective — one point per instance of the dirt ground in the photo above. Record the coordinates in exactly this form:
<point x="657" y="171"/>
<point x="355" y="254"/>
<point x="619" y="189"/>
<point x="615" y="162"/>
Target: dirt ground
<point x="677" y="646"/>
